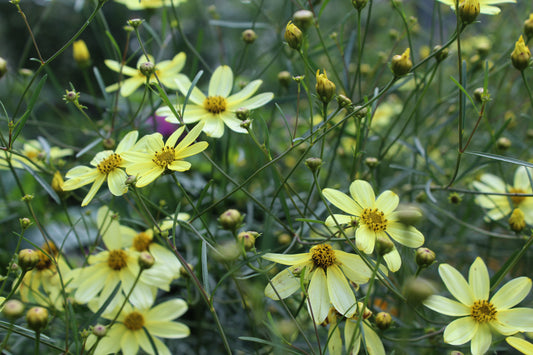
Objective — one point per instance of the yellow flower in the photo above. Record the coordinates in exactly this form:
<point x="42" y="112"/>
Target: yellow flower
<point x="167" y="71"/>
<point x="480" y="316"/>
<point x="326" y="270"/>
<point x="524" y="346"/>
<point x="162" y="157"/>
<point x="148" y="4"/>
<point x="34" y="152"/>
<point x="375" y="218"/>
<point x="499" y="205"/>
<point x="485" y="5"/>
<point x="218" y="107"/>
<point x="108" y="166"/>
<point x="139" y="326"/>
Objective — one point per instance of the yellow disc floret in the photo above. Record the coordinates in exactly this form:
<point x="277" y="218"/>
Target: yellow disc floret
<point x="483" y="311"/>
<point x="517" y="200"/>
<point x="323" y="255"/>
<point x="142" y="241"/>
<point x="165" y="156"/>
<point x="109" y="164"/>
<point x="117" y="259"/>
<point x="215" y="104"/>
<point x="374" y="219"/>
<point x="134" y="321"/>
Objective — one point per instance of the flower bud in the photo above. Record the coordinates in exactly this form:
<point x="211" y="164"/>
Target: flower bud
<point x="3" y="67"/>
<point x="313" y="163"/>
<point x="528" y="27"/>
<point x="293" y="36"/>
<point x="28" y="259"/>
<point x="517" y="220"/>
<point x="147" y="69"/>
<point x="25" y="222"/>
<point x="247" y="239"/>
<point x="13" y="309"/>
<point x="303" y="19"/>
<point x="242" y="113"/>
<point x="57" y="183"/>
<point x="359" y="4"/>
<point x="284" y="78"/>
<point x="469" y="10"/>
<point x="108" y="143"/>
<point x="284" y="239"/>
<point x="424" y="257"/>
<point x="441" y="54"/>
<point x="325" y="88"/>
<point x="135" y="22"/>
<point x="454" y="198"/>
<point x="343" y="101"/>
<point x="146" y="260"/>
<point x="520" y="55"/>
<point x="417" y="289"/>
<point x="409" y="214"/>
<point x="384" y="245"/>
<point x="249" y="36"/>
<point x="230" y="220"/>
<point x="184" y="272"/>
<point x="401" y="64"/>
<point x="371" y="162"/>
<point x="81" y="53"/>
<point x="99" y="330"/>
<point x="37" y="318"/>
<point x="360" y="112"/>
<point x="383" y="320"/>
<point x="503" y="143"/>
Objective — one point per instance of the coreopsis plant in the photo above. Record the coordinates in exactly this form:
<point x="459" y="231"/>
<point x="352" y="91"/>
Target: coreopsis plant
<point x="139" y="327"/>
<point x="374" y="218"/>
<point x="156" y="157"/>
<point x="217" y="108"/>
<point x="480" y="315"/>
<point x="107" y="166"/>
<point x="486" y="6"/>
<point x="327" y="270"/>
<point x="146" y="71"/>
<point x="496" y="199"/>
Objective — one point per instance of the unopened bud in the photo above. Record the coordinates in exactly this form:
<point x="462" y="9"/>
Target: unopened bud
<point x="28" y="259"/>
<point x="469" y="10"/>
<point x="325" y="88"/>
<point x="184" y="272"/>
<point x="383" y="320"/>
<point x="25" y="222"/>
<point x="417" y="290"/>
<point x="37" y="318"/>
<point x="360" y="112"/>
<point x="242" y="113"/>
<point x="478" y="94"/>
<point x="147" y="69"/>
<point x="80" y="53"/>
<point x="313" y="163"/>
<point x="3" y="67"/>
<point x="135" y="22"/>
<point x="520" y="55"/>
<point x="409" y="214"/>
<point x="528" y="27"/>
<point x="99" y="330"/>
<point x="303" y="19"/>
<point x="13" y="309"/>
<point x="284" y="78"/>
<point x="441" y="54"/>
<point x="284" y="239"/>
<point x="247" y="239"/>
<point x="503" y="143"/>
<point x="57" y="183"/>
<point x="230" y="220"/>
<point x="343" y="101"/>
<point x="146" y="260"/>
<point x="517" y="220"/>
<point x="293" y="36"/>
<point x="71" y="96"/>
<point x="384" y="245"/>
<point x="108" y="143"/>
<point x="424" y="257"/>
<point x="249" y="36"/>
<point x="371" y="162"/>
<point x="359" y="4"/>
<point x="454" y="198"/>
<point x="401" y="64"/>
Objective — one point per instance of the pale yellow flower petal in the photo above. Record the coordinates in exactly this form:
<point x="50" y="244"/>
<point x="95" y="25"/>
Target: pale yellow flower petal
<point x="288" y="259"/>
<point x="460" y="331"/>
<point x="232" y="122"/>
<point x="393" y="260"/>
<point x="131" y="84"/>
<point x="94" y="189"/>
<point x="520" y="344"/>
<point x="214" y="126"/>
<point x="342" y="201"/>
<point x="284" y="284"/>
<point x="363" y="193"/>
<point x="179" y="165"/>
<point x="171" y="330"/>
<point x="340" y="218"/>
<point x="373" y="343"/>
<point x="192" y="150"/>
<point x="250" y="89"/>
<point x="117" y="67"/>
<point x="478" y="278"/>
<point x="512" y="293"/>
<point x="481" y="340"/>
<point x="387" y="202"/>
<point x="456" y="284"/>
<point x="116" y="181"/>
<point x="221" y="82"/>
<point x="340" y="292"/>
<point x="446" y="306"/>
<point x="353" y="267"/>
<point x="149" y="176"/>
<point x="168" y="310"/>
<point x="190" y="137"/>
<point x="319" y="302"/>
<point x="521" y="319"/>
<point x="255" y="102"/>
<point x="365" y="239"/>
<point x="406" y="235"/>
<point x="129" y="343"/>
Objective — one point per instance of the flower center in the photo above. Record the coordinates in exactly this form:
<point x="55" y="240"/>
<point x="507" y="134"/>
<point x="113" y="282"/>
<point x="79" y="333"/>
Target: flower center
<point x="483" y="311"/>
<point x="323" y="255"/>
<point x="374" y="219"/>
<point x="215" y="104"/>
<point x="134" y="321"/>
<point x="517" y="200"/>
<point x="165" y="156"/>
<point x="117" y="259"/>
<point x="142" y="241"/>
<point x="109" y="164"/>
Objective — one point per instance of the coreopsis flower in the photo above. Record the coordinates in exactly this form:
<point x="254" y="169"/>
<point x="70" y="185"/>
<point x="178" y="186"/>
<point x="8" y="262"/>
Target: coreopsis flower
<point x="486" y="6"/>
<point x="374" y="218"/>
<point x="167" y="71"/>
<point x="148" y="4"/>
<point x="108" y="165"/>
<point x="162" y="157"/>
<point x="44" y="284"/>
<point x="137" y="327"/>
<point x="499" y="205"/>
<point x="479" y="314"/>
<point x="35" y="153"/>
<point x="522" y="345"/>
<point x="326" y="270"/>
<point x="218" y="107"/>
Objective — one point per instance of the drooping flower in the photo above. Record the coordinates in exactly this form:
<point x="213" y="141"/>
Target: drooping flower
<point x="148" y="4"/>
<point x="327" y="271"/>
<point x="167" y="71"/>
<point x="161" y="157"/>
<point x="108" y="165"/>
<point x="498" y="204"/>
<point x="375" y="218"/>
<point x="218" y="107"/>
<point x="486" y="6"/>
<point x="479" y="315"/>
<point x="136" y="327"/>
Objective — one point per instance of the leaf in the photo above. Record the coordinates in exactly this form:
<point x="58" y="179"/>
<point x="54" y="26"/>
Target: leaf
<point x="502" y="158"/>
<point x="88" y="147"/>
<point x="41" y="182"/>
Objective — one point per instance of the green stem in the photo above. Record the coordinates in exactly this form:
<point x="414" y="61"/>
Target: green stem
<point x="527" y="87"/>
<point x="512" y="264"/>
